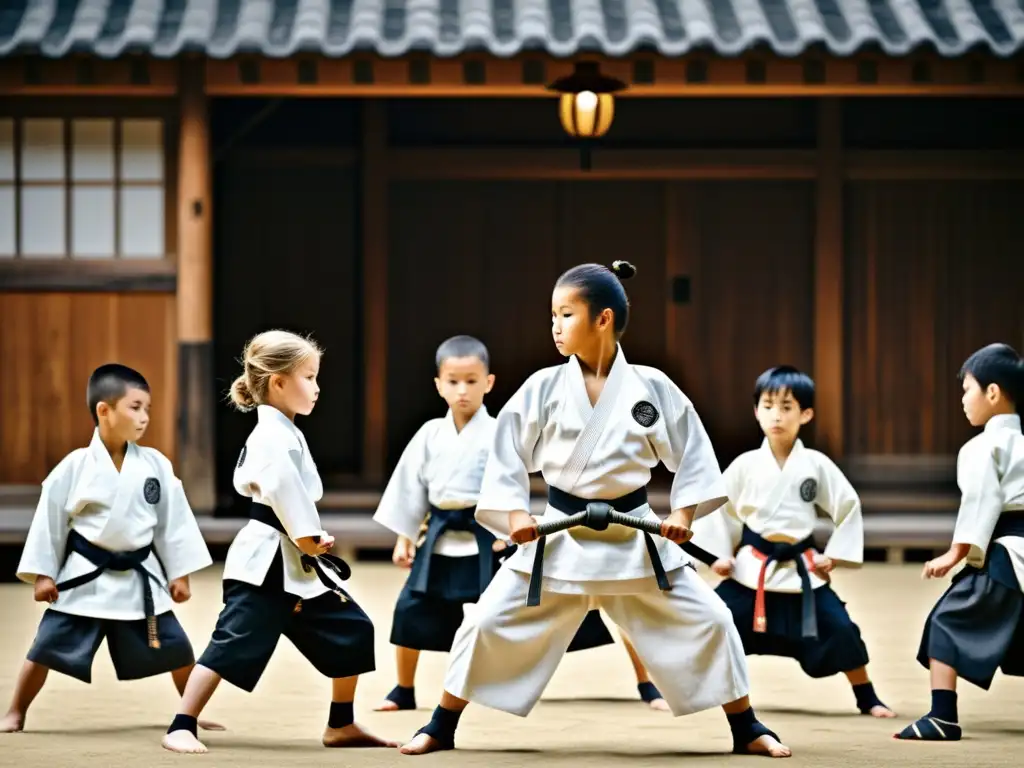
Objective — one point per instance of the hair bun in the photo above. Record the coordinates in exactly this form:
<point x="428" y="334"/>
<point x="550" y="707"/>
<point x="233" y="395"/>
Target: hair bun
<point x="623" y="269"/>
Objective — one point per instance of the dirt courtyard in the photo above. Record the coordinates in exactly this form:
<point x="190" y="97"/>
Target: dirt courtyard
<point x="590" y="715"/>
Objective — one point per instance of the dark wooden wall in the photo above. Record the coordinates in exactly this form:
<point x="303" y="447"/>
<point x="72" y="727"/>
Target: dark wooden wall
<point x="935" y="270"/>
<point x="285" y="257"/>
<point x="49" y="344"/>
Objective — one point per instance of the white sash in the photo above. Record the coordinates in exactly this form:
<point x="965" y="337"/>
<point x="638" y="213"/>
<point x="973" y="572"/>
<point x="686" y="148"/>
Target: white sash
<point x="588" y="439"/>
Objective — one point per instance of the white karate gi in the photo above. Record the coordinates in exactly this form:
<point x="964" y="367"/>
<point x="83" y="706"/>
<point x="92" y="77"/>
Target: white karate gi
<point x="505" y="652"/>
<point x="780" y="503"/>
<point x="110" y="509"/>
<point x="275" y="468"/>
<point x="990" y="473"/>
<point x="441" y="467"/>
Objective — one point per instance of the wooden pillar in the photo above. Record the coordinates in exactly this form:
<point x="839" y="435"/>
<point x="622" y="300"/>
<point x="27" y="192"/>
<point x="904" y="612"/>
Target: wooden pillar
<point x="829" y="324"/>
<point x="196" y="383"/>
<point x="375" y="288"/>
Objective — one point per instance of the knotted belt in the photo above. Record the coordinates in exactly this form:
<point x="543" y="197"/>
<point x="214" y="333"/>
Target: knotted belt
<point x="105" y="560"/>
<point x="442" y="520"/>
<point x="264" y="514"/>
<point x="800" y="553"/>
<point x="570" y="505"/>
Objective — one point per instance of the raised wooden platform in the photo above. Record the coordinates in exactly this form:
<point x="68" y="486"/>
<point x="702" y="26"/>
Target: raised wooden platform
<point x="894" y="521"/>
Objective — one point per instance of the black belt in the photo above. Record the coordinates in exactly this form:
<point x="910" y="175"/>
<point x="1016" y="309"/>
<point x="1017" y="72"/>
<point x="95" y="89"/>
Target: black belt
<point x="264" y="514"/>
<point x="569" y="504"/>
<point x="1010" y="523"/>
<point x="780" y="551"/>
<point x="442" y="520"/>
<point x="105" y="560"/>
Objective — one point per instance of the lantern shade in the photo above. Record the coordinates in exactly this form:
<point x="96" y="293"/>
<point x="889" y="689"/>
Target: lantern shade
<point x="586" y="115"/>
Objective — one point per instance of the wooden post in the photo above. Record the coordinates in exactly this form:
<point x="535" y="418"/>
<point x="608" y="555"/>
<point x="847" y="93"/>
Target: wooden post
<point x="829" y="337"/>
<point x="375" y="289"/>
<point x="196" y="385"/>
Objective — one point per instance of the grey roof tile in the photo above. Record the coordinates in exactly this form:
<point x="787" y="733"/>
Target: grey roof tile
<point x="281" y="28"/>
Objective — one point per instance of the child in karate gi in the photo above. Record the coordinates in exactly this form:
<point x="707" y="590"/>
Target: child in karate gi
<point x="110" y="549"/>
<point x="976" y="627"/>
<point x="777" y="586"/>
<point x="595" y="427"/>
<point x="430" y="502"/>
<point x="278" y="576"/>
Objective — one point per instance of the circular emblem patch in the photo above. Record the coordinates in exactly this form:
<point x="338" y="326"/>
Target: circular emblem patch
<point x="645" y="414"/>
<point x="241" y="456"/>
<point x="809" y="489"/>
<point x="151" y="490"/>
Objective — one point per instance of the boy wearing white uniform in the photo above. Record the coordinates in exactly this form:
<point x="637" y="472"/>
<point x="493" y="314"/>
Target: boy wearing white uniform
<point x="110" y="548"/>
<point x="430" y="502"/>
<point x="777" y="585"/>
<point x="594" y="428"/>
<point x="278" y="576"/>
<point x="976" y="627"/>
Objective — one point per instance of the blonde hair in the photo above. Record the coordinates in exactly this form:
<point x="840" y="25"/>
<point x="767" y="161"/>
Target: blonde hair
<point x="269" y="353"/>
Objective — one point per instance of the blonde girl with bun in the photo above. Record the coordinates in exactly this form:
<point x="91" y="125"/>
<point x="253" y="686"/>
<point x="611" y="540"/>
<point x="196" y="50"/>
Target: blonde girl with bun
<point x="278" y="576"/>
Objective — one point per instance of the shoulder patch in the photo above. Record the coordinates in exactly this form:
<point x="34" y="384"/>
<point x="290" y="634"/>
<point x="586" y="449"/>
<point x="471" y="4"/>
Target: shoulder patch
<point x="809" y="489"/>
<point x="645" y="414"/>
<point x="151" y="490"/>
<point x="241" y="456"/>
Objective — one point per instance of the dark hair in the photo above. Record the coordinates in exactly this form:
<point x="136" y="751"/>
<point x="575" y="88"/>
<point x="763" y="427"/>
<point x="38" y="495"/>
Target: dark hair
<point x="601" y="288"/>
<point x="109" y="383"/>
<point x="997" y="364"/>
<point x="782" y="378"/>
<point x="462" y="346"/>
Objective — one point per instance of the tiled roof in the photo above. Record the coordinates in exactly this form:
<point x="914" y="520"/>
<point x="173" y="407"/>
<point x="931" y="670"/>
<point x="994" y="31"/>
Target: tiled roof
<point x="280" y="28"/>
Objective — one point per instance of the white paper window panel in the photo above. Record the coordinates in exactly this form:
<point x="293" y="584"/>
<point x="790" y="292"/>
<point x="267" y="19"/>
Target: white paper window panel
<point x="142" y="150"/>
<point x="142" y="222"/>
<point x="8" y="245"/>
<point x="42" y="221"/>
<point x="92" y="222"/>
<point x="42" y="150"/>
<point x="92" y="150"/>
<point x="6" y="149"/>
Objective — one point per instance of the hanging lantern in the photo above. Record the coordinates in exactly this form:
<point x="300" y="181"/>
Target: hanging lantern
<point x="586" y="107"/>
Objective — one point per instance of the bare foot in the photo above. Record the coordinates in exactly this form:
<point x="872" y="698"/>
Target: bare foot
<point x="421" y="744"/>
<point x="184" y="743"/>
<point x="386" y="706"/>
<point x="354" y="736"/>
<point x="766" y="745"/>
<point x="209" y="725"/>
<point x="880" y="710"/>
<point x="12" y="722"/>
<point x="660" y="705"/>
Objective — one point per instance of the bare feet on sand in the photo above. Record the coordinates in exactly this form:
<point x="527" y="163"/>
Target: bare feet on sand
<point x="386" y="706"/>
<point x="354" y="736"/>
<point x="769" y="747"/>
<point x="184" y="743"/>
<point x="659" y="704"/>
<point x="209" y="725"/>
<point x="12" y="722"/>
<point x="880" y="710"/>
<point x="421" y="744"/>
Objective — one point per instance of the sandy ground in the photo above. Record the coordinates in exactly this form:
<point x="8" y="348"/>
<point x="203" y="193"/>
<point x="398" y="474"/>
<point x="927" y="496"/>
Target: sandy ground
<point x="590" y="715"/>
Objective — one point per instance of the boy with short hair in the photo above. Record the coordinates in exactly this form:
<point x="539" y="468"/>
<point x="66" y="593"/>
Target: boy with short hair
<point x="975" y="627"/>
<point x="777" y="585"/>
<point x="112" y="516"/>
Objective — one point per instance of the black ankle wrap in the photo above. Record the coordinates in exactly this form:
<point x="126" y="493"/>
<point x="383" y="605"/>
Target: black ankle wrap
<point x="341" y="714"/>
<point x="648" y="691"/>
<point x="442" y="727"/>
<point x="404" y="697"/>
<point x="866" y="698"/>
<point x="745" y="729"/>
<point x="183" y="723"/>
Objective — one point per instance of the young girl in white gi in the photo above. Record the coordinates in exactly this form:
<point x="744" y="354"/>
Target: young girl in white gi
<point x="777" y="585"/>
<point x="278" y="577"/>
<point x="430" y="502"/>
<point x="976" y="627"/>
<point x="595" y="427"/>
<point x="110" y="548"/>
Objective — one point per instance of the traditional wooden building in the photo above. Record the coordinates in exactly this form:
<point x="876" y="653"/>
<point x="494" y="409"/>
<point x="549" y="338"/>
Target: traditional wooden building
<point x="831" y="183"/>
